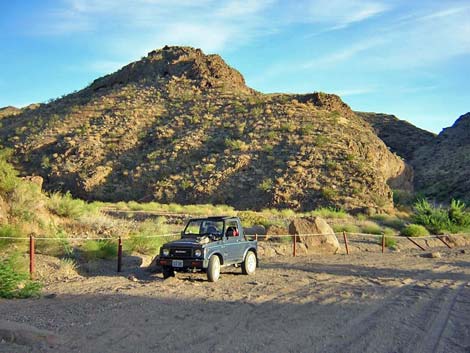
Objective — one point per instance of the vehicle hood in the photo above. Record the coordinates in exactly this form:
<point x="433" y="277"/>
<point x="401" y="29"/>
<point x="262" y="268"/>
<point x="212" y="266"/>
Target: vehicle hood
<point x="184" y="242"/>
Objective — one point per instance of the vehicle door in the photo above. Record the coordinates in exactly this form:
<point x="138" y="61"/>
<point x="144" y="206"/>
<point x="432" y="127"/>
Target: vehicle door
<point x="234" y="244"/>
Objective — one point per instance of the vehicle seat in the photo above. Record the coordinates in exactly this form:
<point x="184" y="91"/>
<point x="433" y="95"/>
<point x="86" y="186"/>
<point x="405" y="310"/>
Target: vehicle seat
<point x="231" y="232"/>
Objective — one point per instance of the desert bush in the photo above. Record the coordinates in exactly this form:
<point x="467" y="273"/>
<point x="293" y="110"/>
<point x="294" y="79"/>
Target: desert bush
<point x="140" y="240"/>
<point x="348" y="228"/>
<point x="389" y="242"/>
<point x="370" y="227"/>
<point x="330" y="212"/>
<point x="11" y="231"/>
<point x="99" y="249"/>
<point x="58" y="245"/>
<point x="236" y="144"/>
<point x="27" y="202"/>
<point x="414" y="230"/>
<point x="67" y="206"/>
<point x="266" y="185"/>
<point x="15" y="283"/>
<point x="438" y="219"/>
<point x="8" y="174"/>
<point x="68" y="266"/>
<point x="250" y="218"/>
<point x="389" y="221"/>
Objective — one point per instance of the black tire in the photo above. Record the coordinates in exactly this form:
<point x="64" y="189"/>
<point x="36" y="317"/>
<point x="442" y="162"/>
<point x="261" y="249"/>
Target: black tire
<point x="168" y="272"/>
<point x="213" y="270"/>
<point x="249" y="263"/>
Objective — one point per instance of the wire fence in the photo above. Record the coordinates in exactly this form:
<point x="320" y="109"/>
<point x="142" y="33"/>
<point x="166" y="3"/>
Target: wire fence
<point x="380" y="239"/>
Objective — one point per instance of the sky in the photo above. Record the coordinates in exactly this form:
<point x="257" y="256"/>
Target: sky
<point x="407" y="58"/>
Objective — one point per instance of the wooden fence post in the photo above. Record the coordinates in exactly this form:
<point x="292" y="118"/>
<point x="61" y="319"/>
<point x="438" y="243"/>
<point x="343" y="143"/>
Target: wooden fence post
<point x="119" y="259"/>
<point x="31" y="257"/>
<point x="294" y="251"/>
<point x="346" y="242"/>
<point x="383" y="243"/>
<point x="415" y="243"/>
<point x="442" y="240"/>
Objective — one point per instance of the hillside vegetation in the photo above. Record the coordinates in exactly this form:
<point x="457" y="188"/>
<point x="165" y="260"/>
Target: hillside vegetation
<point x="182" y="127"/>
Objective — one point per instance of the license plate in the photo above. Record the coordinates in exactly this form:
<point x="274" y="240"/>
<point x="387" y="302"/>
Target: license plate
<point x="177" y="263"/>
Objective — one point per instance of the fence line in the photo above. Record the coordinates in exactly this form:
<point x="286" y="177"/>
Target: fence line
<point x="120" y="240"/>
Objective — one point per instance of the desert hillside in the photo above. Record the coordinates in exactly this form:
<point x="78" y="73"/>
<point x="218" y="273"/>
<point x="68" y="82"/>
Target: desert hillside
<point x="443" y="167"/>
<point x="181" y="126"/>
<point x="402" y="137"/>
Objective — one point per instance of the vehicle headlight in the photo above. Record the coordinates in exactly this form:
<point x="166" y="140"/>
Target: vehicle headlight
<point x="198" y="252"/>
<point x="166" y="252"/>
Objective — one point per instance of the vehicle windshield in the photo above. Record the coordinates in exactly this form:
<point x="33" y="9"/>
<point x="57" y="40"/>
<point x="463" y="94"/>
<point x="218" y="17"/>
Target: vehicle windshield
<point x="200" y="227"/>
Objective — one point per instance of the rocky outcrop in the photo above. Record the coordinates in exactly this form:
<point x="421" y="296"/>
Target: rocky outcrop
<point x="315" y="234"/>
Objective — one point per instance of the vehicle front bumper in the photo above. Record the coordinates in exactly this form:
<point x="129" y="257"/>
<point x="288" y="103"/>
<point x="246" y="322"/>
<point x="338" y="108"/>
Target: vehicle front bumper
<point x="187" y="263"/>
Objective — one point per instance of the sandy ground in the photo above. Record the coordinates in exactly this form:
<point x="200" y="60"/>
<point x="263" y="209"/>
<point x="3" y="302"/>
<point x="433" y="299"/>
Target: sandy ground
<point x="366" y="302"/>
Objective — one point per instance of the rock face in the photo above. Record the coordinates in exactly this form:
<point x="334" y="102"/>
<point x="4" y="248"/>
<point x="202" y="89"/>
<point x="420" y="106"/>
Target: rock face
<point x="181" y="126"/>
<point x="442" y="168"/>
<point x="323" y="241"/>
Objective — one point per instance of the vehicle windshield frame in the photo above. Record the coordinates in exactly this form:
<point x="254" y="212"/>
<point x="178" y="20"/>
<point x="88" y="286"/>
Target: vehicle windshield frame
<point x="185" y="233"/>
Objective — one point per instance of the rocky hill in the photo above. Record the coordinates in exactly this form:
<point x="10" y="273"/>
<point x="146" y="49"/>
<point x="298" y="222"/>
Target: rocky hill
<point x="443" y="167"/>
<point x="402" y="137"/>
<point x="181" y="126"/>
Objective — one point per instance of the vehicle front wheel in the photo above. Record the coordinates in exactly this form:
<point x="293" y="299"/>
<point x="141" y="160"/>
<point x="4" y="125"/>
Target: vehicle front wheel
<point x="213" y="270"/>
<point x="249" y="264"/>
<point x="168" y="272"/>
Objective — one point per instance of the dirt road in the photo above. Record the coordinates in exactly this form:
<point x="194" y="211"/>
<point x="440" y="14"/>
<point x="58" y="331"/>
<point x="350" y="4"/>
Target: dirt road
<point x="397" y="302"/>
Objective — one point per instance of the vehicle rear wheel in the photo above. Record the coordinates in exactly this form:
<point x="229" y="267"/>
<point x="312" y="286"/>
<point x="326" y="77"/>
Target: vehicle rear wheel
<point x="249" y="264"/>
<point x="213" y="270"/>
<point x="168" y="272"/>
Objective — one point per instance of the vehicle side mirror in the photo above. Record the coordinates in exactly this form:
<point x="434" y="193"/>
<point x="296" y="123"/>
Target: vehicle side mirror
<point x="182" y="233"/>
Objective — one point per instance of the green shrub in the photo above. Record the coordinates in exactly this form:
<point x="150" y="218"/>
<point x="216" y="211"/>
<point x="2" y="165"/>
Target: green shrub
<point x="250" y="218"/>
<point x="348" y="228"/>
<point x="330" y="212"/>
<point x="8" y="174"/>
<point x="389" y="221"/>
<point x="11" y="231"/>
<point x="14" y="283"/>
<point x="236" y="144"/>
<point x="100" y="249"/>
<point x="371" y="228"/>
<point x="140" y="240"/>
<point x="67" y="206"/>
<point x="389" y="242"/>
<point x="414" y="230"/>
<point x="438" y="219"/>
<point x="266" y="185"/>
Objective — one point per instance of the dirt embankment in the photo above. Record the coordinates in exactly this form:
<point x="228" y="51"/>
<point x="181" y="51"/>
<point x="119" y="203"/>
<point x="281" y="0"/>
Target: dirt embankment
<point x="365" y="302"/>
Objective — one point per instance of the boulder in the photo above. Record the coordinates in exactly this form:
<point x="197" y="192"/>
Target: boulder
<point x="255" y="230"/>
<point x="4" y="208"/>
<point x="34" y="179"/>
<point x="324" y="239"/>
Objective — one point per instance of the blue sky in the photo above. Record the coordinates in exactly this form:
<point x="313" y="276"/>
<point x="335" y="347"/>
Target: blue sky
<point x="408" y="58"/>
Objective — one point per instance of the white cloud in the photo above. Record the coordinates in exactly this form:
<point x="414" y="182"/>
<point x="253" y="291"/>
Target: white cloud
<point x="335" y="14"/>
<point x="343" y="54"/>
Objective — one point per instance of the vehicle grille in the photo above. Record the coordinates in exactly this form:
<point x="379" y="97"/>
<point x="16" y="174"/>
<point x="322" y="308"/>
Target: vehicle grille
<point x="181" y="252"/>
